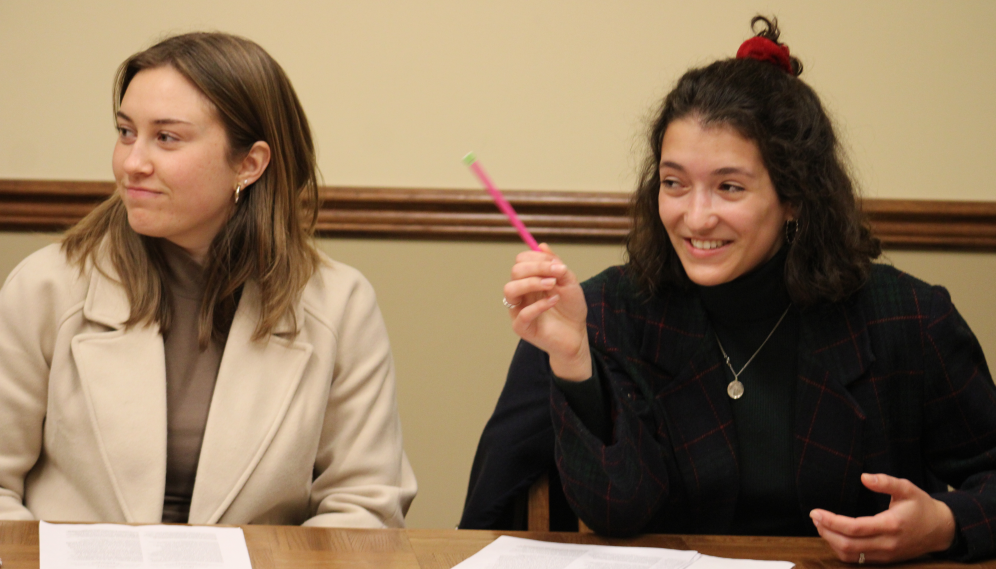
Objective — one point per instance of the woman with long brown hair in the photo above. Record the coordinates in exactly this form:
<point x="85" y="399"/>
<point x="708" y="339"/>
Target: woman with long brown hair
<point x="187" y="354"/>
<point x="750" y="370"/>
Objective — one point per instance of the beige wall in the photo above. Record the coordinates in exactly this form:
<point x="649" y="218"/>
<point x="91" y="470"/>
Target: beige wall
<point x="551" y="95"/>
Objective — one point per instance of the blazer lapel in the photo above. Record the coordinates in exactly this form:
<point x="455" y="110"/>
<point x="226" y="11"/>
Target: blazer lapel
<point x="834" y="351"/>
<point x="123" y="379"/>
<point x="255" y="385"/>
<point x="680" y="341"/>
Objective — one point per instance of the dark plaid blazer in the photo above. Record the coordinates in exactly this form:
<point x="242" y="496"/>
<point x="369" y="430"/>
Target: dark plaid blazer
<point x="892" y="381"/>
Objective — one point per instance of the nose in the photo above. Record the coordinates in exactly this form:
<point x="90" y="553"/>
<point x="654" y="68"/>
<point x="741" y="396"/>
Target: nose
<point x="700" y="216"/>
<point x="137" y="160"/>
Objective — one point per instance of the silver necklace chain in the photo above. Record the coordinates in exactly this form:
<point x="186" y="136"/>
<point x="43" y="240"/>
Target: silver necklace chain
<point x="736" y="389"/>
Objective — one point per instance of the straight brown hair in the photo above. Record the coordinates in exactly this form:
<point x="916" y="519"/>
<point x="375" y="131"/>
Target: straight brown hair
<point x="268" y="239"/>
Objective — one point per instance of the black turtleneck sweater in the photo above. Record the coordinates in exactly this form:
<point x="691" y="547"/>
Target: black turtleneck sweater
<point x="743" y="312"/>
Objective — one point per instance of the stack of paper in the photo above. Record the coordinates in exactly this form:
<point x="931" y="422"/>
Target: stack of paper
<point x="67" y="546"/>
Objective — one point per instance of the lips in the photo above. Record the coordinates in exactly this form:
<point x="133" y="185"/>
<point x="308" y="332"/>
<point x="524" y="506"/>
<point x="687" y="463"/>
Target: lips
<point x="138" y="191"/>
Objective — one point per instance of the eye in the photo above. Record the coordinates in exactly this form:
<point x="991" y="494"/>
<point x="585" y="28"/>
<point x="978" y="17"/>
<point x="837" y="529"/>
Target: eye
<point x="730" y="187"/>
<point x="125" y="134"/>
<point x="166" y="137"/>
<point x="670" y="183"/>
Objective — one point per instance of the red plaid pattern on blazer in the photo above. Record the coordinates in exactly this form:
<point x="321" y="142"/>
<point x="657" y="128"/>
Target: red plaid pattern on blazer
<point x="891" y="381"/>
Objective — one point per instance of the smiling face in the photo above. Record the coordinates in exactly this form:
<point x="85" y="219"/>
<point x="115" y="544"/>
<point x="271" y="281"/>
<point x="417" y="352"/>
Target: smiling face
<point x="171" y="161"/>
<point x="717" y="202"/>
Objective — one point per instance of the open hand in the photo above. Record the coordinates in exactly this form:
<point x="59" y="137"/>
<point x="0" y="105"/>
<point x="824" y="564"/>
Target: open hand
<point x="914" y="524"/>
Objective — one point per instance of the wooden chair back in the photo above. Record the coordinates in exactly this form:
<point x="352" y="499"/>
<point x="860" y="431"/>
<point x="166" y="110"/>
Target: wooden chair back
<point x="538" y="507"/>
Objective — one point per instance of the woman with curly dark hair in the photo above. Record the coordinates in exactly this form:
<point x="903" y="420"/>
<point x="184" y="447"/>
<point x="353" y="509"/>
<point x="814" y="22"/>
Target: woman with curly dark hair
<point x="750" y="370"/>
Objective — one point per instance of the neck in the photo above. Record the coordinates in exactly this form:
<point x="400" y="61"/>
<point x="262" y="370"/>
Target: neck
<point x="757" y="295"/>
<point x="198" y="253"/>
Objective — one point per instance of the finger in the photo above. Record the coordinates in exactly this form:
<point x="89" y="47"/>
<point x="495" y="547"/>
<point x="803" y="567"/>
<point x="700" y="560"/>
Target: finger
<point x="564" y="275"/>
<point x="545" y="251"/>
<point x="877" y="549"/>
<point x="515" y="290"/>
<point x="850" y="527"/>
<point x="525" y="316"/>
<point x="847" y="549"/>
<point x="898" y="488"/>
<point x="543" y="268"/>
<point x="536" y="255"/>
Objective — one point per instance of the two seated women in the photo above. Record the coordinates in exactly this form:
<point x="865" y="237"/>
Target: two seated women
<point x="186" y="354"/>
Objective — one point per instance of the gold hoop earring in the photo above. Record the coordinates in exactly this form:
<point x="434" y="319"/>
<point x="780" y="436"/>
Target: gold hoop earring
<point x="238" y="189"/>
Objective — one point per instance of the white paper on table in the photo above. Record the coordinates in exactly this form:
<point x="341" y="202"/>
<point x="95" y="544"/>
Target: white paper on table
<point x="710" y="562"/>
<point x="69" y="546"/>
<point x="517" y="553"/>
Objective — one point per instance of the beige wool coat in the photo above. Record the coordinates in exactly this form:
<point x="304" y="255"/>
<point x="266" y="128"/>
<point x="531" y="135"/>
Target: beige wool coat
<point x="301" y="429"/>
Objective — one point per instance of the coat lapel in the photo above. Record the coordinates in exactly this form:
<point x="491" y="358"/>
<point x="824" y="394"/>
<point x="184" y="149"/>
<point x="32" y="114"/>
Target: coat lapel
<point x="834" y="351"/>
<point x="255" y="385"/>
<point x="696" y="409"/>
<point x="123" y="380"/>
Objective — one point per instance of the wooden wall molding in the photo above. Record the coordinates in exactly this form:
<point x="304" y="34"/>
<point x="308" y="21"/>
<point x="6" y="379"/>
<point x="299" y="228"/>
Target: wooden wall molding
<point x="593" y="217"/>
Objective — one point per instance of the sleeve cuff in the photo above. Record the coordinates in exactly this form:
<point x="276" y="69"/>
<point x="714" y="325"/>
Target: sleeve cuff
<point x="589" y="402"/>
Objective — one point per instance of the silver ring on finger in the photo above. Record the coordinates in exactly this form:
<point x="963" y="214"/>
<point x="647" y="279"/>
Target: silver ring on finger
<point x="861" y="559"/>
<point x="508" y="304"/>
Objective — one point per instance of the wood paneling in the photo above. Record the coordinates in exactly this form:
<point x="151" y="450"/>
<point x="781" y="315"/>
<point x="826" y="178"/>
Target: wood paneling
<point x="411" y="213"/>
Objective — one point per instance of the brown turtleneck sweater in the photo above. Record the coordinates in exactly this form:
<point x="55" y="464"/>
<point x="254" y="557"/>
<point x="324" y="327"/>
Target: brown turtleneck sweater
<point x="190" y="379"/>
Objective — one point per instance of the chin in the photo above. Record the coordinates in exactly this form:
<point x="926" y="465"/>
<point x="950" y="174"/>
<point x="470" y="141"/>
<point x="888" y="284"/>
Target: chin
<point x="708" y="278"/>
<point x="146" y="229"/>
<point x="710" y="282"/>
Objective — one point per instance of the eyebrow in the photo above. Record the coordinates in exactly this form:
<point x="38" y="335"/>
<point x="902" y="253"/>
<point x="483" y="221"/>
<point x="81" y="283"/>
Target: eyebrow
<point x="725" y="171"/>
<point x="157" y="121"/>
<point x="733" y="170"/>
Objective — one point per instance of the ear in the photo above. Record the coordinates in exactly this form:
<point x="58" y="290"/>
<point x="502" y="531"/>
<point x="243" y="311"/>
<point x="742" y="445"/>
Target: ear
<point x="254" y="163"/>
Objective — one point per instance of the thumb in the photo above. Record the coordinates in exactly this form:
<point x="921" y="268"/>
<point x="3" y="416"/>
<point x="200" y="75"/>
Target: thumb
<point x="898" y="488"/>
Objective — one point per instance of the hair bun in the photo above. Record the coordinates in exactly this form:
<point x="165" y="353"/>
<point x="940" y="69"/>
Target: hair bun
<point x="763" y="49"/>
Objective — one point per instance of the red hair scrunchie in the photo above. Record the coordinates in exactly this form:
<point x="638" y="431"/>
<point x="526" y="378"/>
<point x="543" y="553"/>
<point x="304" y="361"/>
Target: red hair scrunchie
<point x="763" y="49"/>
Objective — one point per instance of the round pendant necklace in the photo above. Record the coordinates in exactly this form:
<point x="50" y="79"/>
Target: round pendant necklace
<point x="736" y="389"/>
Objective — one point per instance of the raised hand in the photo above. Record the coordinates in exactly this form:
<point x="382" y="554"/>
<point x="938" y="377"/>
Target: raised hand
<point x="550" y="311"/>
<point x="914" y="524"/>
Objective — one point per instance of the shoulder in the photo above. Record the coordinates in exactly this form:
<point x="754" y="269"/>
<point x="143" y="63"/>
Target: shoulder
<point x="900" y="309"/>
<point x="886" y="279"/>
<point x="620" y="313"/>
<point x="615" y="286"/>
<point x="47" y="273"/>
<point x="49" y="261"/>
<point x="890" y="293"/>
<point x="335" y="291"/>
<point x="40" y="295"/>
<point x="611" y="285"/>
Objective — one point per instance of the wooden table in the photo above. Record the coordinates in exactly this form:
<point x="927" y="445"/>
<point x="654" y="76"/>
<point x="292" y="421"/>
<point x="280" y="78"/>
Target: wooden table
<point x="292" y="547"/>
